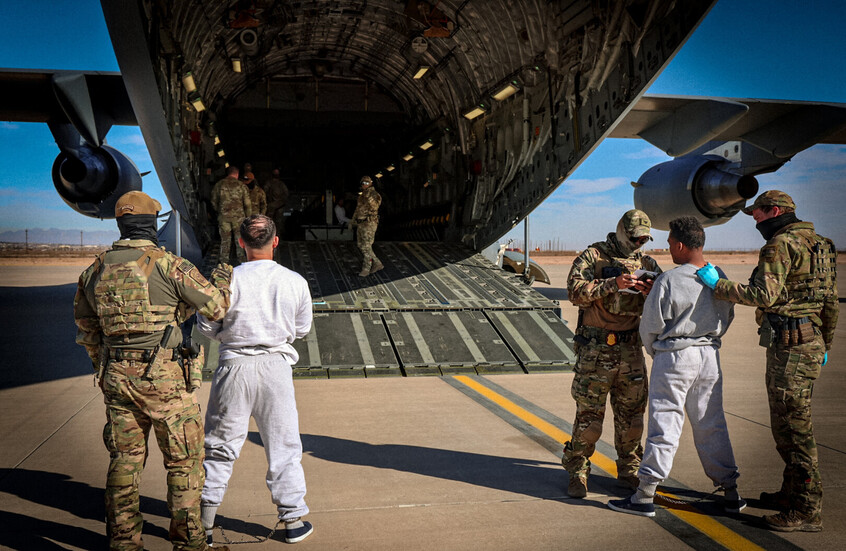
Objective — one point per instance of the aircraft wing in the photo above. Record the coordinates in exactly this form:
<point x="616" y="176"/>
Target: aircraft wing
<point x="681" y="124"/>
<point x="37" y="95"/>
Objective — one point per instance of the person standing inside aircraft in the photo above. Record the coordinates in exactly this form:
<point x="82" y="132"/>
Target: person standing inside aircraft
<point x="258" y="199"/>
<point x="127" y="304"/>
<point x="795" y="289"/>
<point x="271" y="306"/>
<point x="341" y="212"/>
<point x="610" y="297"/>
<point x="681" y="328"/>
<point x="366" y="217"/>
<point x="277" y="198"/>
<point x="231" y="200"/>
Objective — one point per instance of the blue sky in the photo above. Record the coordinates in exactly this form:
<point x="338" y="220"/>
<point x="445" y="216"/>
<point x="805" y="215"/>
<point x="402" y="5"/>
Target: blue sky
<point x="788" y="50"/>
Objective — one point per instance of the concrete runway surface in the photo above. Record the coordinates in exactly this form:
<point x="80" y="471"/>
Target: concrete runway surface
<point x="396" y="463"/>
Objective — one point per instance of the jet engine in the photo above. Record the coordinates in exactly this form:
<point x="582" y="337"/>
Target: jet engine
<point x="696" y="186"/>
<point x="91" y="181"/>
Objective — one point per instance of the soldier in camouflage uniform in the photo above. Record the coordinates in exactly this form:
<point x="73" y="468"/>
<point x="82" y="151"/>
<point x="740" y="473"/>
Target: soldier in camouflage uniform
<point x="366" y="217"/>
<point x="231" y="199"/>
<point x="795" y="290"/>
<point x="610" y="300"/>
<point x="277" y="197"/>
<point x="258" y="199"/>
<point x="125" y="303"/>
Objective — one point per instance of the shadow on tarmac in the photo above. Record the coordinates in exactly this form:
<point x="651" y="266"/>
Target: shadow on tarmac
<point x="538" y="479"/>
<point x="58" y="491"/>
<point x="31" y="354"/>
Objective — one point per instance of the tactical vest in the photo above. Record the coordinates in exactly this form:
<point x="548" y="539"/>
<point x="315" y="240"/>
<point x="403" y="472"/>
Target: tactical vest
<point x="619" y="303"/>
<point x="122" y="296"/>
<point x="809" y="285"/>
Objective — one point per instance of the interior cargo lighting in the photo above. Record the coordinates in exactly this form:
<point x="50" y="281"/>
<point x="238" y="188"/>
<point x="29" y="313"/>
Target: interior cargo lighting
<point x="476" y="111"/>
<point x="390" y="168"/>
<point x="197" y="102"/>
<point x="427" y="144"/>
<point x="507" y="91"/>
<point x="236" y="64"/>
<point x="408" y="157"/>
<point x="188" y="82"/>
<point x="379" y="174"/>
<point x="220" y="153"/>
<point x="421" y="70"/>
<point x="226" y="164"/>
<point x="216" y="140"/>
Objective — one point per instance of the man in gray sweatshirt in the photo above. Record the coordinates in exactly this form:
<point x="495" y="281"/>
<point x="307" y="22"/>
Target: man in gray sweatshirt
<point x="681" y="327"/>
<point x="270" y="307"/>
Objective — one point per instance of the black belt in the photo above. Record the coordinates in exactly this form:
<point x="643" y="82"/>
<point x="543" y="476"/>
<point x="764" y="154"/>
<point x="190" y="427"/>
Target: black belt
<point x="604" y="336"/>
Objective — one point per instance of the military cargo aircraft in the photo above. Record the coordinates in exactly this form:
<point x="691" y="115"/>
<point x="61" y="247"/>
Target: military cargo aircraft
<point x="468" y="113"/>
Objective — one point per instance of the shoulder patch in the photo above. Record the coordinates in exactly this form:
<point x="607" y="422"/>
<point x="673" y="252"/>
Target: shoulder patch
<point x="769" y="253"/>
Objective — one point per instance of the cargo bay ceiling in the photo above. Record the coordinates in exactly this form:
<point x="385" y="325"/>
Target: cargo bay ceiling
<point x="471" y="112"/>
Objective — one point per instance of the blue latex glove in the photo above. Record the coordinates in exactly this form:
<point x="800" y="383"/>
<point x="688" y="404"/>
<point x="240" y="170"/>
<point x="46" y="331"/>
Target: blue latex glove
<point x="825" y="358"/>
<point x="708" y="275"/>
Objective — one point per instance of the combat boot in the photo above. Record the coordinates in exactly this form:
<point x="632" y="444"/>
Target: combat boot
<point x="629" y="481"/>
<point x="376" y="267"/>
<point x="794" y="521"/>
<point x="577" y="486"/>
<point x="364" y="273"/>
<point x="779" y="500"/>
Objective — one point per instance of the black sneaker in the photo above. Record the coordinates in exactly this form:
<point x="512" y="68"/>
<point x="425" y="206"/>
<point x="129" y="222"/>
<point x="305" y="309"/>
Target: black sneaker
<point x="293" y="535"/>
<point x="734" y="506"/>
<point x="626" y="506"/>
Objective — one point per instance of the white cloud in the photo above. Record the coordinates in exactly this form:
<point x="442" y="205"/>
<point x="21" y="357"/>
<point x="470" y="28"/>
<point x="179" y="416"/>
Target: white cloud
<point x="5" y="125"/>
<point x="649" y="152"/>
<point x="581" y="186"/>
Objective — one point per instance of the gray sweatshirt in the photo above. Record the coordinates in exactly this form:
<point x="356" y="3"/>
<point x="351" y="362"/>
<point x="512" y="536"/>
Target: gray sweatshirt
<point x="680" y="311"/>
<point x="271" y="306"/>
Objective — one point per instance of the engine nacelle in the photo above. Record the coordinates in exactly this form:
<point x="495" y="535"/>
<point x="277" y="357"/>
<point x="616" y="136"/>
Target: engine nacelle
<point x="692" y="186"/>
<point x="92" y="182"/>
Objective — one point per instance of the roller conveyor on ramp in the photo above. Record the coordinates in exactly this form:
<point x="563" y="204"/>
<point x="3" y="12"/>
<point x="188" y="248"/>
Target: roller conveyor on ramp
<point x="434" y="309"/>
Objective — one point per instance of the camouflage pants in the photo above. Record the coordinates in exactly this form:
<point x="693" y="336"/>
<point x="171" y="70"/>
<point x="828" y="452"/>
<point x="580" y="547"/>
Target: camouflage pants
<point x="791" y="372"/>
<point x="230" y="228"/>
<point x="366" y="235"/>
<point x="601" y="370"/>
<point x="133" y="406"/>
<point x="278" y="217"/>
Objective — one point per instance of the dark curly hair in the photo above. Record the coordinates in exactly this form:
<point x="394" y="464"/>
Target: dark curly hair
<point x="257" y="231"/>
<point x="688" y="231"/>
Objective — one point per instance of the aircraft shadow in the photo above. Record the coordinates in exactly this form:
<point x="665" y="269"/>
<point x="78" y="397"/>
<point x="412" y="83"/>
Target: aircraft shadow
<point x="59" y="491"/>
<point x="37" y="335"/>
<point x="512" y="474"/>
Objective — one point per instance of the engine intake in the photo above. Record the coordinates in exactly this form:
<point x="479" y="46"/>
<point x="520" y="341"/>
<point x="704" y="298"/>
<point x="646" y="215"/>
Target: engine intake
<point x="92" y="182"/>
<point x="692" y="186"/>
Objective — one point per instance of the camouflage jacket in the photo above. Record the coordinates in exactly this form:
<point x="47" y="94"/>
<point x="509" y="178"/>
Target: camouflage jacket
<point x="276" y="194"/>
<point x="368" y="206"/>
<point x="592" y="286"/>
<point x="231" y="199"/>
<point x="127" y="297"/>
<point x="795" y="277"/>
<point x="258" y="200"/>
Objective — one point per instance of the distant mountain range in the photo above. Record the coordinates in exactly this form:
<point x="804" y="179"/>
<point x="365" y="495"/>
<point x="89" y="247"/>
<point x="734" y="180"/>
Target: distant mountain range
<point x="60" y="237"/>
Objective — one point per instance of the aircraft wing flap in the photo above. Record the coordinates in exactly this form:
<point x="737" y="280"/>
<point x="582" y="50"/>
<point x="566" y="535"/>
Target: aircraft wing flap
<point x="782" y="128"/>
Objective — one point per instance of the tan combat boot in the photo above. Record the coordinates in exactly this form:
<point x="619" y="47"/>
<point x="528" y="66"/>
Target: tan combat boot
<point x="794" y="521"/>
<point x="578" y="486"/>
<point x="629" y="481"/>
<point x="376" y="267"/>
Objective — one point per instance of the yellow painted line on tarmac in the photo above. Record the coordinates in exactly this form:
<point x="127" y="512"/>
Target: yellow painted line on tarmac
<point x="716" y="531"/>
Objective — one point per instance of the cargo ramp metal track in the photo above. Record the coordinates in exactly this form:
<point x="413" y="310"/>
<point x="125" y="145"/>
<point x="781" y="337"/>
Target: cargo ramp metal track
<point x="434" y="309"/>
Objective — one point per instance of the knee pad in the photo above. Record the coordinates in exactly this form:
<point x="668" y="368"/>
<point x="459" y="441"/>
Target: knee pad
<point x="592" y="433"/>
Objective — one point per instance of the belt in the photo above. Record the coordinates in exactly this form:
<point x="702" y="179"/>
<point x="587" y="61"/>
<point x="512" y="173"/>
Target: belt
<point x="143" y="354"/>
<point x="604" y="336"/>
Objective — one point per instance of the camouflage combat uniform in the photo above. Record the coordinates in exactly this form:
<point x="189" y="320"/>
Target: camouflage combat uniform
<point x="258" y="200"/>
<point x="124" y="301"/>
<point x="366" y="218"/>
<point x="796" y="280"/>
<point x="610" y="357"/>
<point x="276" y="193"/>
<point x="231" y="200"/>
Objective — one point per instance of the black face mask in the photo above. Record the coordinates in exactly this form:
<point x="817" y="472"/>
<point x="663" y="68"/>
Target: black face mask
<point x="138" y="226"/>
<point x="770" y="226"/>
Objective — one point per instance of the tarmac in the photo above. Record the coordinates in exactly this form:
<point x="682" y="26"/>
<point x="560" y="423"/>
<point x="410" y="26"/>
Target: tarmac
<point x="453" y="462"/>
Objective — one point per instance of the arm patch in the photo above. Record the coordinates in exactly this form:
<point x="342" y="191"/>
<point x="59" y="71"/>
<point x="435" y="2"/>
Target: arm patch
<point x="769" y="253"/>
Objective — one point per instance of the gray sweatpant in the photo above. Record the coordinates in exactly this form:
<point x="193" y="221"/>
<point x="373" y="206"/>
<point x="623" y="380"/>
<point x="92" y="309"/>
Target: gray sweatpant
<point x="688" y="380"/>
<point x="261" y="387"/>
